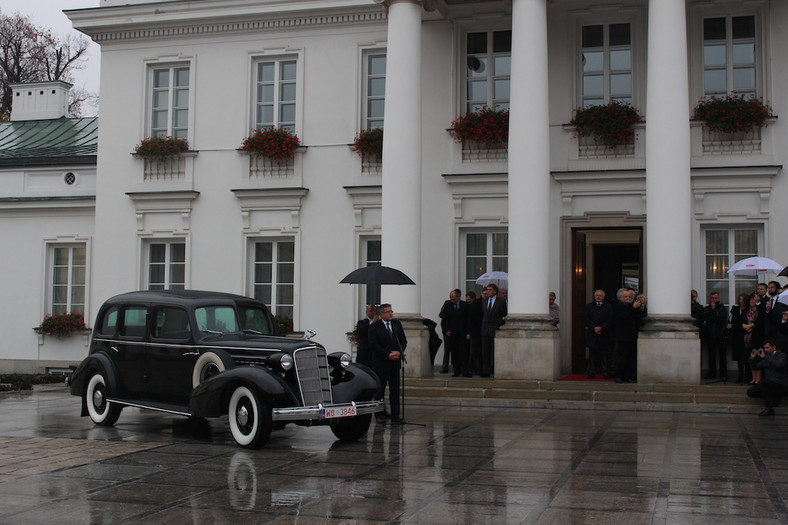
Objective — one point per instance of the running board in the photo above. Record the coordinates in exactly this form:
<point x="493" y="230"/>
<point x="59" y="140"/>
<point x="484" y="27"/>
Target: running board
<point x="159" y="407"/>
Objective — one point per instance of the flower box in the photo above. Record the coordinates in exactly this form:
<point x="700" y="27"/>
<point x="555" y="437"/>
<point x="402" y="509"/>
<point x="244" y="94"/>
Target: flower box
<point x="276" y="145"/>
<point x="732" y="114"/>
<point x="610" y="125"/>
<point x="160" y="148"/>
<point x="487" y="128"/>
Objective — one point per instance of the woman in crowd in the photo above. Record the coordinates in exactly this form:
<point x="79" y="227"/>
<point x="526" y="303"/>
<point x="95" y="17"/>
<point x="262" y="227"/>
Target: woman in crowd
<point x="739" y="352"/>
<point x="753" y="322"/>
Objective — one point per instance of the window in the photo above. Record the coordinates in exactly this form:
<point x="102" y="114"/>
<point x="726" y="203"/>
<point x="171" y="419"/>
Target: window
<point x="485" y="252"/>
<point x="606" y="63"/>
<point x="725" y="247"/>
<point x="275" y="94"/>
<point x="216" y="319"/>
<point x="488" y="71"/>
<point x="374" y="90"/>
<point x="67" y="265"/>
<point x="134" y="319"/>
<point x="729" y="59"/>
<point x="166" y="261"/>
<point x="170" y="102"/>
<point x="273" y="280"/>
<point x="171" y="323"/>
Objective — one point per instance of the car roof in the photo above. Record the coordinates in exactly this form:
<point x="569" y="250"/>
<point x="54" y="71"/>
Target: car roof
<point x="183" y="297"/>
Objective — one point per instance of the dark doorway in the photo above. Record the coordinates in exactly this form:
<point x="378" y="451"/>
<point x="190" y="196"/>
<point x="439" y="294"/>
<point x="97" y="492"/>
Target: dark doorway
<point x="604" y="258"/>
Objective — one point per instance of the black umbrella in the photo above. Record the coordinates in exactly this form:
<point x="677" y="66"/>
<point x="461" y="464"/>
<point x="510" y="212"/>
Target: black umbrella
<point x="376" y="275"/>
<point x="784" y="272"/>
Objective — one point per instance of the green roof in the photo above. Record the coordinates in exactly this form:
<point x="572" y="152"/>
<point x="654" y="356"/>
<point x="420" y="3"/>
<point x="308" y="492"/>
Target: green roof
<point x="48" y="142"/>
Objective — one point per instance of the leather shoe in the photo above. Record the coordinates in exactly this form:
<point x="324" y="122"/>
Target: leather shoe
<point x="619" y="380"/>
<point x="768" y="411"/>
<point x="455" y="375"/>
<point x="445" y="371"/>
<point x="380" y="419"/>
<point x="467" y="375"/>
<point x="590" y="376"/>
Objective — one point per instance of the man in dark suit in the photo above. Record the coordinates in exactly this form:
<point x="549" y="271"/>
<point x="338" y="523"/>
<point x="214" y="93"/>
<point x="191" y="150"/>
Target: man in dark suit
<point x="774" y="385"/>
<point x="774" y="312"/>
<point x="494" y="312"/>
<point x="454" y="324"/>
<point x="387" y="342"/>
<point x="363" y="355"/>
<point x="629" y="313"/>
<point x="714" y="320"/>
<point x="599" y="325"/>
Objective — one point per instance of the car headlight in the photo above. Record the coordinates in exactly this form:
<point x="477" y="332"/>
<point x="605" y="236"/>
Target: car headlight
<point x="339" y="360"/>
<point x="344" y="360"/>
<point x="286" y="362"/>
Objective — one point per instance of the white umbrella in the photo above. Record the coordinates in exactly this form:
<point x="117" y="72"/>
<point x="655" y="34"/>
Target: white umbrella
<point x="755" y="266"/>
<point x="783" y="297"/>
<point x="500" y="279"/>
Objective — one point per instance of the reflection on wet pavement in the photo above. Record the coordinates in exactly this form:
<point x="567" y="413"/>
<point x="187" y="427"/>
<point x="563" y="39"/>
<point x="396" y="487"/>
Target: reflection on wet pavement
<point x="466" y="465"/>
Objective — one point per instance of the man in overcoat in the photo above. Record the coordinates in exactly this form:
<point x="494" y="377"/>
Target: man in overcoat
<point x="387" y="343"/>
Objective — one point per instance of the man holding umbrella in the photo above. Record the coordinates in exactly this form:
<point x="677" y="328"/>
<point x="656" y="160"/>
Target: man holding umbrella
<point x="387" y="343"/>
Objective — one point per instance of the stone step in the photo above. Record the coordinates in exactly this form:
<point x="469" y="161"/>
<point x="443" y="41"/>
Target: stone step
<point x="730" y="397"/>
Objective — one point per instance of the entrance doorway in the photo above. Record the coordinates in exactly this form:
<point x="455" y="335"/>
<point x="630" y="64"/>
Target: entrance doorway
<point x="606" y="259"/>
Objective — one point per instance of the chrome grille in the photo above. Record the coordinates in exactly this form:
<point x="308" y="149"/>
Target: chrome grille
<point x="312" y="370"/>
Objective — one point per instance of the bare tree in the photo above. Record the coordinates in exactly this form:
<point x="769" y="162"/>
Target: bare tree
<point x="29" y="53"/>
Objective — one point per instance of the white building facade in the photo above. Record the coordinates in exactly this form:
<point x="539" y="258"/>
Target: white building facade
<point x="558" y="213"/>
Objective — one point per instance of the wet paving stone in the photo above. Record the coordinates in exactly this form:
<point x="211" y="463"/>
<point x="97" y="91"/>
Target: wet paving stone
<point x="485" y="465"/>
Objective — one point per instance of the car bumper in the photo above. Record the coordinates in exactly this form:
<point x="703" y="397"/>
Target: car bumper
<point x="316" y="412"/>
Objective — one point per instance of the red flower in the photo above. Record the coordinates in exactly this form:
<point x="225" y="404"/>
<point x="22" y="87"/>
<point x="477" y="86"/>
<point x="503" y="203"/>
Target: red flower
<point x="277" y="144"/>
<point x="161" y="148"/>
<point x="488" y="127"/>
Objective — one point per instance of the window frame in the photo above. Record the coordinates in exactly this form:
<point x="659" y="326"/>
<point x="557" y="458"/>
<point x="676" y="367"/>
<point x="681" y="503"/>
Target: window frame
<point x="468" y="281"/>
<point x="49" y="295"/>
<point x="465" y="103"/>
<point x="252" y="283"/>
<point x="636" y="18"/>
<point x="278" y="59"/>
<point x="756" y="8"/>
<point x="366" y="77"/>
<point x="146" y="263"/>
<point x="171" y="66"/>
<point x="730" y="299"/>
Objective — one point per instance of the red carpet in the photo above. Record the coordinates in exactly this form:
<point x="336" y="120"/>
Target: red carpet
<point x="582" y="377"/>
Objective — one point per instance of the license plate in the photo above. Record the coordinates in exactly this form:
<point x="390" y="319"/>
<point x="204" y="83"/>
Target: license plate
<point x="348" y="411"/>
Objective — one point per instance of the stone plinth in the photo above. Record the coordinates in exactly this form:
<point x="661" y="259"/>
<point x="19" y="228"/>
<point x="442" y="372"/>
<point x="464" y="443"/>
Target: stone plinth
<point x="669" y="351"/>
<point x="417" y="353"/>
<point x="526" y="347"/>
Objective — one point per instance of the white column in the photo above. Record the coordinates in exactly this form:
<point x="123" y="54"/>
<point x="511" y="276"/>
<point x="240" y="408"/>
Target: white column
<point x="668" y="192"/>
<point x="529" y="161"/>
<point x="401" y="213"/>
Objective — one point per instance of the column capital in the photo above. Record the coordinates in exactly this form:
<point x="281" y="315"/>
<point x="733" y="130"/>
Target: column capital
<point x="428" y="5"/>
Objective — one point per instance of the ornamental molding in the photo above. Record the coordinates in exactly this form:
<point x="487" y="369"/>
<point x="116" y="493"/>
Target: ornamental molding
<point x="239" y="26"/>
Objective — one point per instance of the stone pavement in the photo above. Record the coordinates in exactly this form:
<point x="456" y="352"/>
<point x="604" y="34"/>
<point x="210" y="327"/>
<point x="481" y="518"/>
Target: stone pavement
<point x="465" y="465"/>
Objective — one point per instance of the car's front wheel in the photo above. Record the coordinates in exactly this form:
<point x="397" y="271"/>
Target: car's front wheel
<point x="351" y="428"/>
<point x="101" y="411"/>
<point x="250" y="419"/>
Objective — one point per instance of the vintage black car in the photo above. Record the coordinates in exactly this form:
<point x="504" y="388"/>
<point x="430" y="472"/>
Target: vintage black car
<point x="207" y="354"/>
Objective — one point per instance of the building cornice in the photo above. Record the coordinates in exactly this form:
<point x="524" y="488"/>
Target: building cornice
<point x="172" y="20"/>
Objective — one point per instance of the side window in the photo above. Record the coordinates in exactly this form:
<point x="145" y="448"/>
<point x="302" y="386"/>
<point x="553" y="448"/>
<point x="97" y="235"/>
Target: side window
<point x="133" y="325"/>
<point x="171" y="323"/>
<point x="729" y="58"/>
<point x="374" y="90"/>
<point x="109" y="324"/>
<point x="216" y="319"/>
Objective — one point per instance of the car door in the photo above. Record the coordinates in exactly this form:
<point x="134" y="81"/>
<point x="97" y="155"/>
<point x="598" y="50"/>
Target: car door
<point x="130" y="352"/>
<point x="171" y="354"/>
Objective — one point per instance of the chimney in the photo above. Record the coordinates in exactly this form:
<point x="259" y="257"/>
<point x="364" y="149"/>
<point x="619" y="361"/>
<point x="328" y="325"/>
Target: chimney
<point x="39" y="100"/>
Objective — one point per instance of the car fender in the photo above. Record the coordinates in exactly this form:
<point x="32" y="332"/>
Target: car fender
<point x="210" y="398"/>
<point x="98" y="361"/>
<point x="361" y="385"/>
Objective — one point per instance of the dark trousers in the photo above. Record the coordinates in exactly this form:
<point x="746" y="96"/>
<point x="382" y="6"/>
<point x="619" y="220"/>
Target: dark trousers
<point x="770" y="392"/>
<point x="626" y="353"/>
<point x="717" y="349"/>
<point x="457" y="346"/>
<point x="446" y="356"/>
<point x="597" y="361"/>
<point x="488" y="349"/>
<point x="475" y="357"/>
<point x="389" y="377"/>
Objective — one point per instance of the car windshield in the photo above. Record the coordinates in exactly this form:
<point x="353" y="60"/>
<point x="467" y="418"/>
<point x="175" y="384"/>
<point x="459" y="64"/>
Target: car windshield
<point x="215" y="319"/>
<point x="255" y="320"/>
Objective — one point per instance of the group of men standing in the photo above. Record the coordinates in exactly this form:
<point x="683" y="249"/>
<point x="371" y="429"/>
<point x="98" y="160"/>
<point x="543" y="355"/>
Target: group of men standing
<point x="612" y="335"/>
<point x="469" y="329"/>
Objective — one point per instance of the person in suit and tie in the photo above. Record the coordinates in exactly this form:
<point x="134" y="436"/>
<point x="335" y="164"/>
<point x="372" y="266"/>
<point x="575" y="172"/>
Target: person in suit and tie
<point x="599" y="324"/>
<point x="363" y="355"/>
<point x="454" y="323"/>
<point x="774" y="312"/>
<point x="387" y="343"/>
<point x="494" y="312"/>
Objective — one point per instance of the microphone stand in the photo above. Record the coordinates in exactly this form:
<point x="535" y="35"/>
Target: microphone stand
<point x="402" y="421"/>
